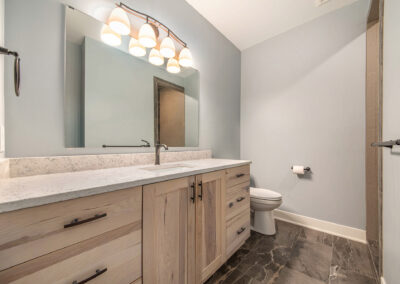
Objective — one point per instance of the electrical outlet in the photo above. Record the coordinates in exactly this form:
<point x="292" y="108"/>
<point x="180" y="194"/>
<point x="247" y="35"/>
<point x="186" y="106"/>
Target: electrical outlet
<point x="320" y="2"/>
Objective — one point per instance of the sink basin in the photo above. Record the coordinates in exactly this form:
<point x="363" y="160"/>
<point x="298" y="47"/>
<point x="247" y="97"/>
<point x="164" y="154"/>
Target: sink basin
<point x="166" y="168"/>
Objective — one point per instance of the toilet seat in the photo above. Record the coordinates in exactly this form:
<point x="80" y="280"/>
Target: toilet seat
<point x="264" y="194"/>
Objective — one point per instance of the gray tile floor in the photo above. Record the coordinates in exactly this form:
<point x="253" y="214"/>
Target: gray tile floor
<point x="297" y="255"/>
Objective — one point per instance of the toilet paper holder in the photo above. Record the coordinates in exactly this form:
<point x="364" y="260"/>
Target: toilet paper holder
<point x="306" y="169"/>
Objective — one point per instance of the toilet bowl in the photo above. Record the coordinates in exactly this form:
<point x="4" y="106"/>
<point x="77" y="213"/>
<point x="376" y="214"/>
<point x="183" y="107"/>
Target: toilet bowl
<point x="263" y="202"/>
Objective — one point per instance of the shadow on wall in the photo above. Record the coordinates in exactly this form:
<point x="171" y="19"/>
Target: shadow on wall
<point x="306" y="56"/>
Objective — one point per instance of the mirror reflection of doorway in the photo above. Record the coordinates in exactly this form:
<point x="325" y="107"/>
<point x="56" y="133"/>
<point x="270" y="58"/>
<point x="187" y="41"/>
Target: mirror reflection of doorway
<point x="169" y="110"/>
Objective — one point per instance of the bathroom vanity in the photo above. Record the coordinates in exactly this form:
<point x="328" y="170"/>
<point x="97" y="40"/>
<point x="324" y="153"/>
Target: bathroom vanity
<point x="174" y="223"/>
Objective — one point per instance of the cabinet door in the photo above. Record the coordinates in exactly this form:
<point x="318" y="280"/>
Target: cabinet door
<point x="209" y="226"/>
<point x="169" y="232"/>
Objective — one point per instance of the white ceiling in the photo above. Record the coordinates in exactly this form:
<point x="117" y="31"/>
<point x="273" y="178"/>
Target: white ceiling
<point x="248" y="22"/>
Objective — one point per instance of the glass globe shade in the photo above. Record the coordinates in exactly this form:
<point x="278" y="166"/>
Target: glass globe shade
<point x="155" y="57"/>
<point x="135" y="48"/>
<point x="147" y="36"/>
<point x="110" y="37"/>
<point x="167" y="48"/>
<point x="119" y="21"/>
<point x="185" y="58"/>
<point x="173" y="66"/>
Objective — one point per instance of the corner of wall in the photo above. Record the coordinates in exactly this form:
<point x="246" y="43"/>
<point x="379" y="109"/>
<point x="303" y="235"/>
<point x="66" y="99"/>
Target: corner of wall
<point x="2" y="154"/>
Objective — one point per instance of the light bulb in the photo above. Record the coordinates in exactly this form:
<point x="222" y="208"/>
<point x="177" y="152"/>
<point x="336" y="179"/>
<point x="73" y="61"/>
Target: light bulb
<point x="167" y="48"/>
<point x="155" y="57"/>
<point x="173" y="66"/>
<point x="119" y="21"/>
<point x="185" y="58"/>
<point x="147" y="36"/>
<point x="135" y="48"/>
<point x="109" y="36"/>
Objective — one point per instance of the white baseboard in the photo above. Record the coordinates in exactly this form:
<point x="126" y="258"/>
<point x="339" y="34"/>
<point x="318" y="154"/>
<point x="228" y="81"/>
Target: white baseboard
<point x="383" y="280"/>
<point x="323" y="226"/>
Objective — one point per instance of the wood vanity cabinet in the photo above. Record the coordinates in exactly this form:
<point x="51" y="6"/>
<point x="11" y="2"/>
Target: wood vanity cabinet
<point x="185" y="229"/>
<point x="169" y="231"/>
<point x="95" y="237"/>
<point x="210" y="229"/>
<point x="177" y="231"/>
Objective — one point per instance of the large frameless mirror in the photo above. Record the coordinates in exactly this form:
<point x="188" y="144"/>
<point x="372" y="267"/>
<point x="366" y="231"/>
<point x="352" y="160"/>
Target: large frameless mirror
<point x="113" y="98"/>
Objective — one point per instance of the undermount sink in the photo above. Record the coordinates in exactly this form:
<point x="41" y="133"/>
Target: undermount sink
<point x="166" y="168"/>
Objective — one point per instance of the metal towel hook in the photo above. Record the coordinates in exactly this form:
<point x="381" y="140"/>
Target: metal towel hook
<point x="17" y="67"/>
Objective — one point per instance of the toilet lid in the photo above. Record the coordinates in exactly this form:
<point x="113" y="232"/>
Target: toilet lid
<point x="262" y="193"/>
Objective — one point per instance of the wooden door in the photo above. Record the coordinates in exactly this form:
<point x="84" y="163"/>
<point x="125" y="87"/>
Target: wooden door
<point x="210" y="228"/>
<point x="169" y="232"/>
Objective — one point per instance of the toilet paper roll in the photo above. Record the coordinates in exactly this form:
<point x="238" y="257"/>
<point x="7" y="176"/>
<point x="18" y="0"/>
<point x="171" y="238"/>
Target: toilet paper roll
<point x="298" y="170"/>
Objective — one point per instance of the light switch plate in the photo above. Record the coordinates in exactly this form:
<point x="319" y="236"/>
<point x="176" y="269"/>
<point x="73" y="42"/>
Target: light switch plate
<point x="2" y="139"/>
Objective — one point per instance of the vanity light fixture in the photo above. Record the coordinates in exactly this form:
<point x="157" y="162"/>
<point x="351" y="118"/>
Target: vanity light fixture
<point x="119" y="21"/>
<point x="155" y="57"/>
<point x="135" y="48"/>
<point x="109" y="36"/>
<point x="173" y="66"/>
<point x="118" y="24"/>
<point x="167" y="47"/>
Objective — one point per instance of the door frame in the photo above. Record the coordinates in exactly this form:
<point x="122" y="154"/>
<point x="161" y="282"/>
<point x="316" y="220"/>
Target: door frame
<point x="159" y="83"/>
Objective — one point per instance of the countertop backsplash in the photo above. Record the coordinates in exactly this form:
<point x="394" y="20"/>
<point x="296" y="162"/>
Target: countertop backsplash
<point x="30" y="166"/>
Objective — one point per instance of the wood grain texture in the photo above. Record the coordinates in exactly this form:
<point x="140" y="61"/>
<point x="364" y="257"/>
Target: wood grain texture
<point x="237" y="175"/>
<point x="33" y="232"/>
<point x="372" y="134"/>
<point x="209" y="223"/>
<point x="166" y="231"/>
<point x="233" y="239"/>
<point x="119" y="251"/>
<point x="237" y="201"/>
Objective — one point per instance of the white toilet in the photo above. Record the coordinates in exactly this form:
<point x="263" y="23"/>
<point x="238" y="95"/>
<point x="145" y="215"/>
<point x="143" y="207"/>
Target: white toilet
<point x="262" y="202"/>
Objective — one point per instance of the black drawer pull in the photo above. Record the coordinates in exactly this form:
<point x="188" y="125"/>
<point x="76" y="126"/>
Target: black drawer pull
<point x="241" y="230"/>
<point x="193" y="197"/>
<point x="98" y="273"/>
<point x="76" y="222"/>
<point x="239" y="175"/>
<point x="231" y="204"/>
<point x="201" y="190"/>
<point x="240" y="199"/>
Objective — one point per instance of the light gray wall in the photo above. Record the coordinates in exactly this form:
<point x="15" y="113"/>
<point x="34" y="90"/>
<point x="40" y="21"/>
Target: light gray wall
<point x="73" y="99"/>
<point x="35" y="121"/>
<point x="119" y="96"/>
<point x="391" y="130"/>
<point x="302" y="103"/>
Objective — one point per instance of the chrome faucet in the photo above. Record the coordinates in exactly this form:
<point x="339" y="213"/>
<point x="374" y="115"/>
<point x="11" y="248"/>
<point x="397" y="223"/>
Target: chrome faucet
<point x="158" y="147"/>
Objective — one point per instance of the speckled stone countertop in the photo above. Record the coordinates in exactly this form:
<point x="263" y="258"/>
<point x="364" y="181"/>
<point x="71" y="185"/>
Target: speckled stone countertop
<point x="24" y="192"/>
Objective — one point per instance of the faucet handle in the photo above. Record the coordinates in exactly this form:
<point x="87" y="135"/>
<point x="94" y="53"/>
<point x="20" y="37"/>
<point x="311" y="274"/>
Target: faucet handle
<point x="147" y="143"/>
<point x="162" y="145"/>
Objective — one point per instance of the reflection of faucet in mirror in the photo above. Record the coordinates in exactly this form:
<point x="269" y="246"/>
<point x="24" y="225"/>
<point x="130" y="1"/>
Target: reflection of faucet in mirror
<point x="146" y="144"/>
<point x="157" y="148"/>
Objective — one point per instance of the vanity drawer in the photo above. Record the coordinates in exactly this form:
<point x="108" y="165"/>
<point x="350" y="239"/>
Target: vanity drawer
<point x="237" y="175"/>
<point x="33" y="232"/>
<point x="237" y="200"/>
<point x="113" y="257"/>
<point x="237" y="231"/>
